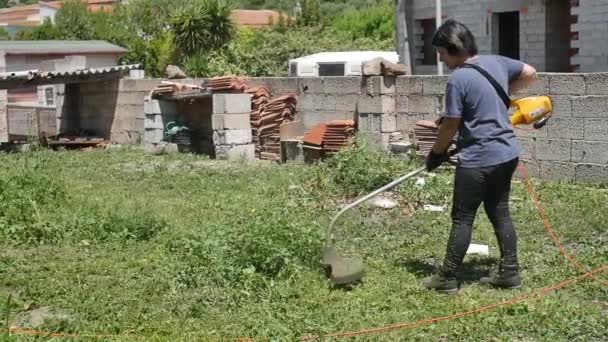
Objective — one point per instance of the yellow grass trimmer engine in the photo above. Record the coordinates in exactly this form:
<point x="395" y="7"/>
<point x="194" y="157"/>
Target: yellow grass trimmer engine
<point x="534" y="110"/>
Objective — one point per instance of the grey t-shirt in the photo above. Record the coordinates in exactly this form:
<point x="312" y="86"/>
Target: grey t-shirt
<point x="486" y="137"/>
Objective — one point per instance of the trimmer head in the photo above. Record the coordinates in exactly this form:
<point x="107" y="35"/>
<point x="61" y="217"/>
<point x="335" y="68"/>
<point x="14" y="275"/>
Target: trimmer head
<point x="341" y="270"/>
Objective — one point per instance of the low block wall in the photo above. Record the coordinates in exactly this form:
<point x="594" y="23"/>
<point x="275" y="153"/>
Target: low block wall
<point x="574" y="145"/>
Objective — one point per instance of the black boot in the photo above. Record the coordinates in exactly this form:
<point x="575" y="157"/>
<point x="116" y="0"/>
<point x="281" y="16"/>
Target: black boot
<point x="442" y="281"/>
<point x="507" y="277"/>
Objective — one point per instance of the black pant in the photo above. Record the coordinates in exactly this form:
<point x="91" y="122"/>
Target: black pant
<point x="472" y="186"/>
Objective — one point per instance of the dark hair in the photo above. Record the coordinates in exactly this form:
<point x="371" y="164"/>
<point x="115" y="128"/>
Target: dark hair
<point x="455" y="38"/>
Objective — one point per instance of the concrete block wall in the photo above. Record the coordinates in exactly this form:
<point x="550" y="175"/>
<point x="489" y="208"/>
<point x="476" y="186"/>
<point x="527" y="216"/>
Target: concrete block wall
<point x="231" y="126"/>
<point x="591" y="28"/>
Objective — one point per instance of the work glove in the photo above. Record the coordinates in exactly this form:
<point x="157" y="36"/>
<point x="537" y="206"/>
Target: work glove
<point x="434" y="160"/>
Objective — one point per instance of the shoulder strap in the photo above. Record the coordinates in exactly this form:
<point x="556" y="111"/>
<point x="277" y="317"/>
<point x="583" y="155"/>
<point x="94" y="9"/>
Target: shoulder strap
<point x="501" y="92"/>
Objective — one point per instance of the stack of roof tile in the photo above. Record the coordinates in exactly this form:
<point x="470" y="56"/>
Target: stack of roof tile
<point x="259" y="98"/>
<point x="338" y="135"/>
<point x="425" y="135"/>
<point x="227" y="83"/>
<point x="268" y="127"/>
<point x="166" y="88"/>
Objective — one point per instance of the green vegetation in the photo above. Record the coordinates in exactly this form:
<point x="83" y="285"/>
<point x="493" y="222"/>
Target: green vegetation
<point x="200" y="37"/>
<point x="183" y="248"/>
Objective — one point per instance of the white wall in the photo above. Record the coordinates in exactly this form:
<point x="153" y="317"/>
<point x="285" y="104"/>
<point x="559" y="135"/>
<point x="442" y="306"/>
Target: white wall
<point x="32" y="62"/>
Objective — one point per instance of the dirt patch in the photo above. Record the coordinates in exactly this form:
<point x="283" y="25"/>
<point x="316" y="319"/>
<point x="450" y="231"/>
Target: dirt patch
<point x="36" y="318"/>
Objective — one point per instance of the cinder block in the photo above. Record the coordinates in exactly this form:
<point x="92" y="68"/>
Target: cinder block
<point x="539" y="87"/>
<point x="131" y="85"/>
<point x="316" y="102"/>
<point x="388" y="123"/>
<point x="376" y="104"/>
<point x="129" y="98"/>
<point x="405" y="85"/>
<point x="528" y="148"/>
<point x="566" y="84"/>
<point x="592" y="173"/>
<point x="338" y="115"/>
<point x="402" y="104"/>
<point x="565" y="129"/>
<point x="380" y="85"/>
<point x="550" y="170"/>
<point x="596" y="129"/>
<point x="370" y="122"/>
<point x="283" y="85"/>
<point x="590" y="106"/>
<point x="562" y="106"/>
<point x="532" y="167"/>
<point x="346" y="103"/>
<point x="232" y="137"/>
<point x="153" y="121"/>
<point x="312" y="85"/>
<point x="153" y="135"/>
<point x="590" y="152"/>
<point x="406" y="121"/>
<point x="231" y="103"/>
<point x="553" y="149"/>
<point x="597" y="83"/>
<point x="342" y="85"/>
<point x="235" y="153"/>
<point x="424" y="104"/>
<point x="434" y="85"/>
<point x="160" y="107"/>
<point x="311" y="118"/>
<point x="230" y="121"/>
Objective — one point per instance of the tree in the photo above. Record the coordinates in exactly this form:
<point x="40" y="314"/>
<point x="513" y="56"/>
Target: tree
<point x="311" y="13"/>
<point x="4" y="35"/>
<point x="3" y="3"/>
<point x="73" y="20"/>
<point x="203" y="26"/>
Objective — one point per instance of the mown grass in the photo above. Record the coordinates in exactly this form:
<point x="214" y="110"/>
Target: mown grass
<point x="180" y="248"/>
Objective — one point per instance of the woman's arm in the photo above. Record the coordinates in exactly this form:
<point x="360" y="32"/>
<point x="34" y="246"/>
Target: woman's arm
<point x="527" y="77"/>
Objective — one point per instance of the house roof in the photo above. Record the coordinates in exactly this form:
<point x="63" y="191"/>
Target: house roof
<point x="93" y="5"/>
<point x="58" y="47"/>
<point x="19" y="13"/>
<point x="255" y="18"/>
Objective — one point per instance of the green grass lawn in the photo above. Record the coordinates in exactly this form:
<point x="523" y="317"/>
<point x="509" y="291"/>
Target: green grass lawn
<point x="179" y="248"/>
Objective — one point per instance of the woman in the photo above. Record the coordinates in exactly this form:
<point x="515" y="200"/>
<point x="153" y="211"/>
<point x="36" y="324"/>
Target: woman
<point x="489" y="151"/>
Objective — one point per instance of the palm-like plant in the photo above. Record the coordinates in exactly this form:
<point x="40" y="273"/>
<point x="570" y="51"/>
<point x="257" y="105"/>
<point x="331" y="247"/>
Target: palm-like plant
<point x="203" y="26"/>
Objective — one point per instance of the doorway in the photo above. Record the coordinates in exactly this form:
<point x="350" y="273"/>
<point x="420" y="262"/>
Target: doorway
<point x="506" y="34"/>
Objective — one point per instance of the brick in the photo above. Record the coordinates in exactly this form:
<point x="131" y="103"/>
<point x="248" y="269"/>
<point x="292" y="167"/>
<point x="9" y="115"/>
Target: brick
<point x="346" y="102"/>
<point x="230" y="121"/>
<point x="232" y="137"/>
<point x="231" y="103"/>
<point x="424" y="104"/>
<point x="235" y="153"/>
<point x="596" y="83"/>
<point x="565" y="129"/>
<point x="596" y="129"/>
<point x="406" y="85"/>
<point x="380" y="85"/>
<point x="589" y="152"/>
<point x="557" y="170"/>
<point x="434" y="85"/>
<point x="590" y="106"/>
<point x="376" y="104"/>
<point x="553" y="149"/>
<point x="160" y="107"/>
<point x="528" y="146"/>
<point x="406" y="122"/>
<point x="342" y="85"/>
<point x="567" y="84"/>
<point x="592" y="173"/>
<point x="339" y="115"/>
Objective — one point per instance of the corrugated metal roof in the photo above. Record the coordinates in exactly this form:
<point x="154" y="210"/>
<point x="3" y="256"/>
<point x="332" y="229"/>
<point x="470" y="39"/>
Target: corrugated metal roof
<point x="37" y="47"/>
<point x="35" y="77"/>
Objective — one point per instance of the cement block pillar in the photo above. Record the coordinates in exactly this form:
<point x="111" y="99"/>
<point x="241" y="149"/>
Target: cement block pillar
<point x="157" y="114"/>
<point x="232" y="137"/>
<point x="3" y="117"/>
